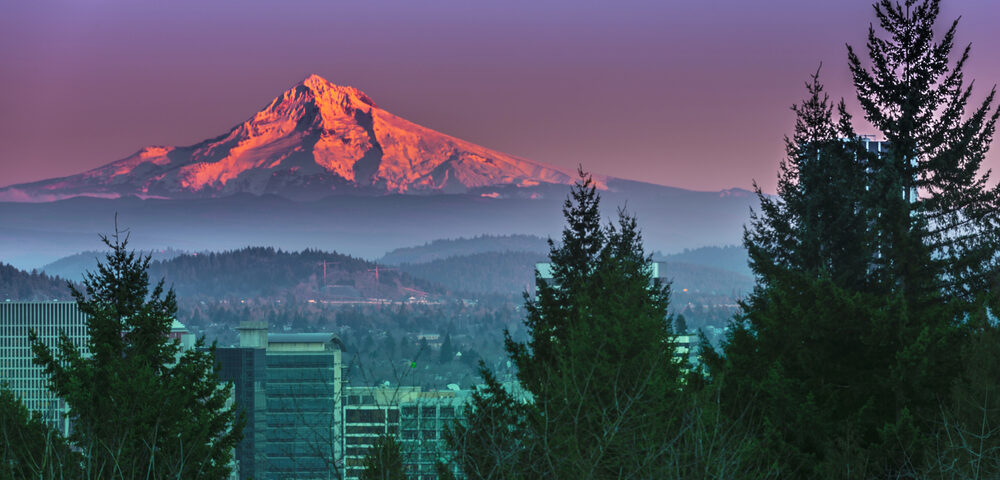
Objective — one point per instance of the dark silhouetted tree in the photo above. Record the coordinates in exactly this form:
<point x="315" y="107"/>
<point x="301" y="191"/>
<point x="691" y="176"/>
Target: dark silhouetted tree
<point x="384" y="461"/>
<point x="140" y="407"/>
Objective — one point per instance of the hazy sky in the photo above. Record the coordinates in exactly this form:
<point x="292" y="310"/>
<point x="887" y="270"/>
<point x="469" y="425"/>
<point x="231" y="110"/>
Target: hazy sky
<point x="685" y="93"/>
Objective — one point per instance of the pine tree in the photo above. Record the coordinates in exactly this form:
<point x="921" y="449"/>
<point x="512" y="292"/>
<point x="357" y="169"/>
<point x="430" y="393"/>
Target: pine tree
<point x="491" y="442"/>
<point x="30" y="448"/>
<point x="384" y="461"/>
<point x="140" y="407"/>
<point x="918" y="100"/>
<point x="599" y="361"/>
<point x="868" y="263"/>
<point x="447" y="352"/>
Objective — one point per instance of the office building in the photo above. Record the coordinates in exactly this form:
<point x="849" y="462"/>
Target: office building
<point x="17" y="369"/>
<point x="416" y="417"/>
<point x="304" y="428"/>
<point x="245" y="366"/>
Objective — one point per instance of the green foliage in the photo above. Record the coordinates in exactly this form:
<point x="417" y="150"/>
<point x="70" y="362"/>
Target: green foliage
<point x="140" y="406"/>
<point x="490" y="444"/>
<point x="384" y="461"/>
<point x="603" y="394"/>
<point x="599" y="359"/>
<point x="848" y="345"/>
<point x="30" y="448"/>
<point x="447" y="352"/>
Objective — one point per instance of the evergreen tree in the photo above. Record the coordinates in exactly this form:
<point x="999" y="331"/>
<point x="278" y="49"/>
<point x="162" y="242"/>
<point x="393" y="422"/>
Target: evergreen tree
<point x="30" y="448"/>
<point x="680" y="325"/>
<point x="490" y="443"/>
<point x="599" y="360"/>
<point x="384" y="461"/>
<point x="140" y="407"/>
<point x="918" y="100"/>
<point x="868" y="263"/>
<point x="447" y="352"/>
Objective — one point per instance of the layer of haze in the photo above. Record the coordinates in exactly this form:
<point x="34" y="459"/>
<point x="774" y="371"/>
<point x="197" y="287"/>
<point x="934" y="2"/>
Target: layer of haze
<point x="685" y="93"/>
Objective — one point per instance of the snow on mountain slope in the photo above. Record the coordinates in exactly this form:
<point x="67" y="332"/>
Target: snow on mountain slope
<point x="315" y="139"/>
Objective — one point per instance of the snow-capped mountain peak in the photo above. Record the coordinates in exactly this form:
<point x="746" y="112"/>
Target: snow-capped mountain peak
<point x="314" y="139"/>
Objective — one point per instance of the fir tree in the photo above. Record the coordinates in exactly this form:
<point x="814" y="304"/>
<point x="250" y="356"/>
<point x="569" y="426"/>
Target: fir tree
<point x="140" y="407"/>
<point x="384" y="461"/>
<point x="491" y="442"/>
<point x="447" y="352"/>
<point x="599" y="360"/>
<point x="29" y="447"/>
<point x="868" y="263"/>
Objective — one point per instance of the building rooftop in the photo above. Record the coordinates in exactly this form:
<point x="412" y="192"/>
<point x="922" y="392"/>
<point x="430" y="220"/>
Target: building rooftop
<point x="304" y="338"/>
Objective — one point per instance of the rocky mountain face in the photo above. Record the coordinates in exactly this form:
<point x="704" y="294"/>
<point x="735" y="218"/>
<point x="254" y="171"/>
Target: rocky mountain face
<point x="313" y="140"/>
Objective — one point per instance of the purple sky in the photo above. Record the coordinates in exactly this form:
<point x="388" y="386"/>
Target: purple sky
<point x="685" y="93"/>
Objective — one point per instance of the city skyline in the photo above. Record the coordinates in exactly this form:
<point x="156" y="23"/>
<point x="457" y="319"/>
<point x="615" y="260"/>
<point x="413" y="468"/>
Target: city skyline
<point x="678" y="93"/>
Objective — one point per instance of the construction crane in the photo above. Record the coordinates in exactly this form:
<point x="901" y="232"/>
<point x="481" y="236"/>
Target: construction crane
<point x="377" y="268"/>
<point x="324" y="264"/>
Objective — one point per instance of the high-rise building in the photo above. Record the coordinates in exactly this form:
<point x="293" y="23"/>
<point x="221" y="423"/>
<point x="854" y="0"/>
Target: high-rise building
<point x="17" y="369"/>
<point x="304" y="435"/>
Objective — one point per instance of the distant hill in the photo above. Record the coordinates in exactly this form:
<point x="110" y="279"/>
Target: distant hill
<point x="510" y="273"/>
<point x="730" y="258"/>
<point x="74" y="266"/>
<point x="441" y="249"/>
<point x="264" y="272"/>
<point x="503" y="273"/>
<point x="17" y="285"/>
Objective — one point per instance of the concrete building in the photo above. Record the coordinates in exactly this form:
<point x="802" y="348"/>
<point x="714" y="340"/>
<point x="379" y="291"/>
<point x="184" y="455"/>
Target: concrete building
<point x="422" y="421"/>
<point x="304" y="426"/>
<point x="369" y="412"/>
<point x="417" y="417"/>
<point x="17" y="369"/>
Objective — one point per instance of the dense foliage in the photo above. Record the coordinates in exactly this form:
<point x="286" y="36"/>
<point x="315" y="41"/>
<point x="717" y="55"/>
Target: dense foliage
<point x="873" y="267"/>
<point x="603" y="392"/>
<point x="384" y="461"/>
<point x="140" y="406"/>
<point x="29" y="447"/>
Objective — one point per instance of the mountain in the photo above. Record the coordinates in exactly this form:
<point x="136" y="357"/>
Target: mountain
<point x="313" y="140"/>
<point x="323" y="167"/>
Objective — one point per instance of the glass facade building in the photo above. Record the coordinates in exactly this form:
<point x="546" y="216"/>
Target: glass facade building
<point x="17" y="369"/>
<point x="245" y="368"/>
<point x="303" y="395"/>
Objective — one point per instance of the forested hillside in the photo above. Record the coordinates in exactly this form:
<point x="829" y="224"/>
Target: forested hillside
<point x="731" y="258"/>
<point x="256" y="272"/>
<point x="504" y="273"/>
<point x="17" y="284"/>
<point x="441" y="249"/>
<point x="74" y="266"/>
